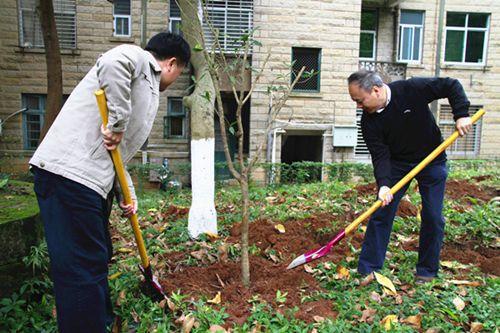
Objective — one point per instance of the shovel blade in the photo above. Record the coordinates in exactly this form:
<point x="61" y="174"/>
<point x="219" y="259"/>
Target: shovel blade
<point x="317" y="253"/>
<point x="152" y="283"/>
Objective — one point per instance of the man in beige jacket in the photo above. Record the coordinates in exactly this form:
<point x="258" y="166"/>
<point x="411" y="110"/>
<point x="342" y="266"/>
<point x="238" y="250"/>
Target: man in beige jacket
<point x="74" y="173"/>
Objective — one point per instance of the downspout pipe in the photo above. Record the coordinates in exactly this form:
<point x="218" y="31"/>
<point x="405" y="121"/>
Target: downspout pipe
<point x="439" y="45"/>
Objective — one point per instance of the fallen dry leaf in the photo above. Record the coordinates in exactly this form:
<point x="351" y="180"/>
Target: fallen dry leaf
<point x="415" y="321"/>
<point x="171" y="305"/>
<point x="318" y="319"/>
<point x="476" y="327"/>
<point x="280" y="228"/>
<point x="217" y="329"/>
<point x="342" y="272"/>
<point x="388" y="321"/>
<point x="367" y="315"/>
<point x="376" y="297"/>
<point x="433" y="330"/>
<point x="367" y="280"/>
<point x="386" y="283"/>
<point x="309" y="269"/>
<point x="216" y="300"/>
<point x="188" y="323"/>
<point x="465" y="283"/>
<point x="459" y="303"/>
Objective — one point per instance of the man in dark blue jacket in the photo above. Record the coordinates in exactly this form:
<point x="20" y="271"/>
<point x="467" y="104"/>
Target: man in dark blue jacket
<point x="400" y="131"/>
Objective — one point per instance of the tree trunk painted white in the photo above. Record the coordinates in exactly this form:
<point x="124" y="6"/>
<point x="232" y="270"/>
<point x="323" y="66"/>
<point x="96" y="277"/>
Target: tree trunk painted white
<point x="202" y="215"/>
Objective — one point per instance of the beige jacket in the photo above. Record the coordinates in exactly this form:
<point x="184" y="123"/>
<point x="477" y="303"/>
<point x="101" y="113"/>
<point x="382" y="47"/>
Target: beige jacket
<point x="73" y="147"/>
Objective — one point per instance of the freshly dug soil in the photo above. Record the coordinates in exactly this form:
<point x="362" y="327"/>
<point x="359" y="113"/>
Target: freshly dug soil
<point x="460" y="190"/>
<point x="267" y="276"/>
<point x="470" y="252"/>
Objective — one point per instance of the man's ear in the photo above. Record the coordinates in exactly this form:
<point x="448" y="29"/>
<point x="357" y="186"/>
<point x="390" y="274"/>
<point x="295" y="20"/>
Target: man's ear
<point x="377" y="90"/>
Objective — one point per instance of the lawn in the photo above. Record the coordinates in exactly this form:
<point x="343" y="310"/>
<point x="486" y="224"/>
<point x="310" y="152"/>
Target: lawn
<point x="202" y="277"/>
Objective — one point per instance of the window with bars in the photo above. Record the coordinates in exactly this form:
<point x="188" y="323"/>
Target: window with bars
<point x="467" y="145"/>
<point x="411" y="28"/>
<point x="174" y="123"/>
<point x="122" y="21"/>
<point x="466" y="38"/>
<point x="30" y="30"/>
<point x="361" y="150"/>
<point x="368" y="34"/>
<point x="311" y="59"/>
<point x="33" y="118"/>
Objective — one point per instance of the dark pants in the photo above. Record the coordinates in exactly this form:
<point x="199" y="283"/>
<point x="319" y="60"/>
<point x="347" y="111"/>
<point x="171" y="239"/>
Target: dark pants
<point x="431" y="184"/>
<point x="75" y="219"/>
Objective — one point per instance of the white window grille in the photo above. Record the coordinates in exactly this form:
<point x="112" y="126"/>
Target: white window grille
<point x="122" y="20"/>
<point x="411" y="28"/>
<point x="466" y="146"/>
<point x="231" y="18"/>
<point x="368" y="34"/>
<point x="466" y="38"/>
<point x="361" y="150"/>
<point x="30" y="30"/>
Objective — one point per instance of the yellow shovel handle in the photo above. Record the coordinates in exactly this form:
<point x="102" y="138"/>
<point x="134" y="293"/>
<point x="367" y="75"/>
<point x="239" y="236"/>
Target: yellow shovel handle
<point x="120" y="172"/>
<point x="442" y="147"/>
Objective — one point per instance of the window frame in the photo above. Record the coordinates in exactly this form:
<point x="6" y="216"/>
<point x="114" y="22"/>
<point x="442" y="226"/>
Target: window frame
<point x="318" y="76"/>
<point x="42" y="100"/>
<point x="122" y="16"/>
<point x="413" y="27"/>
<point x="466" y="29"/>
<point x="24" y="9"/>
<point x="374" y="36"/>
<point x="166" y="119"/>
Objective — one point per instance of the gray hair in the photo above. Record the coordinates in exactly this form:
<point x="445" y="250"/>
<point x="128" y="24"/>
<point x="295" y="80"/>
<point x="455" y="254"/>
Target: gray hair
<point x="366" y="80"/>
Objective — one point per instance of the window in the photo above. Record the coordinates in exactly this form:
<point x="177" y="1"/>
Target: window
<point x="32" y="119"/>
<point x="411" y="27"/>
<point x="463" y="146"/>
<point x="121" y="18"/>
<point x="466" y="38"/>
<point x="30" y="30"/>
<point x="232" y="18"/>
<point x="174" y="124"/>
<point x="174" y="23"/>
<point x="368" y="35"/>
<point x="311" y="59"/>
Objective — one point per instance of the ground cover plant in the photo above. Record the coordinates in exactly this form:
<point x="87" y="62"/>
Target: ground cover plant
<point x="203" y="277"/>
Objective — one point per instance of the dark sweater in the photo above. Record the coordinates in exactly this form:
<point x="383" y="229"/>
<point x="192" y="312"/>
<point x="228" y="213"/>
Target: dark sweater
<point x="406" y="129"/>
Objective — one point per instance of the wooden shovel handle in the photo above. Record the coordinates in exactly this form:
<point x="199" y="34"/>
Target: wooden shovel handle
<point x="120" y="172"/>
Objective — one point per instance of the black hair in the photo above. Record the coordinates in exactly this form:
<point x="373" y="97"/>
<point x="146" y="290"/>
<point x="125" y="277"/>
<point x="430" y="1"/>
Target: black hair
<point x="166" y="45"/>
<point x="366" y="79"/>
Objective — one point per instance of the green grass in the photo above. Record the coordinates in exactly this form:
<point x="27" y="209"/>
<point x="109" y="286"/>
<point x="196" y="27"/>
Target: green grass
<point x="434" y="301"/>
<point x="19" y="203"/>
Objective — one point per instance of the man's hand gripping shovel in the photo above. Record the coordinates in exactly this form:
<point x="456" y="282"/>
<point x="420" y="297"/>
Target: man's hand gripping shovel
<point x="150" y="280"/>
<point x="324" y="250"/>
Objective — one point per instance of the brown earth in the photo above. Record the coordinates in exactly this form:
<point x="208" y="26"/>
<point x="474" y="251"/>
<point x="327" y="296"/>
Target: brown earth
<point x="277" y="250"/>
<point x="469" y="252"/>
<point x="268" y="275"/>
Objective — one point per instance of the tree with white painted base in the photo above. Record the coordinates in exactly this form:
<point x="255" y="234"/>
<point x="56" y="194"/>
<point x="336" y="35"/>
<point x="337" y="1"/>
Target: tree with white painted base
<point x="202" y="214"/>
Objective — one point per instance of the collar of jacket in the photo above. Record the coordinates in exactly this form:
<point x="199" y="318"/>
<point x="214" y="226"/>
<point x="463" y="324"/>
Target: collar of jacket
<point x="153" y="62"/>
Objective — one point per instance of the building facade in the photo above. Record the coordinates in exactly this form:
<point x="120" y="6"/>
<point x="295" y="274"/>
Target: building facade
<point x="319" y="123"/>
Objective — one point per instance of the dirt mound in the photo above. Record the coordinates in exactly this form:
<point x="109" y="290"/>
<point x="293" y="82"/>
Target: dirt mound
<point x="486" y="258"/>
<point x="268" y="273"/>
<point x="461" y="189"/>
<point x="300" y="235"/>
<point x="406" y="209"/>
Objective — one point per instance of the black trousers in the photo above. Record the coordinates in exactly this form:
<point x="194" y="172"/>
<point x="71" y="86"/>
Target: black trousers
<point x="75" y="220"/>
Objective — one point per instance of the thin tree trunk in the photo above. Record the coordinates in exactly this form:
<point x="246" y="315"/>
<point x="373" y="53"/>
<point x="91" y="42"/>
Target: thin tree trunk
<point x="53" y="60"/>
<point x="245" y="264"/>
